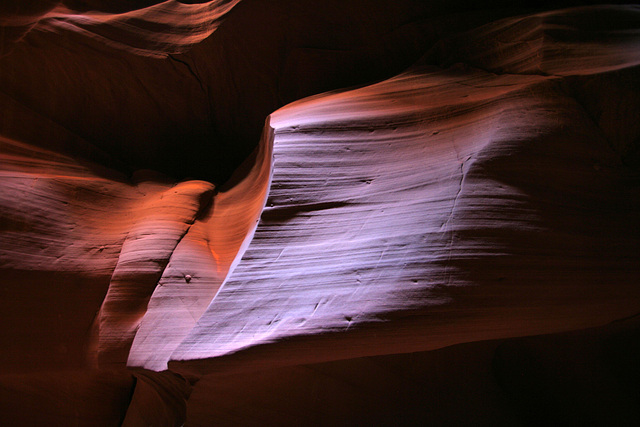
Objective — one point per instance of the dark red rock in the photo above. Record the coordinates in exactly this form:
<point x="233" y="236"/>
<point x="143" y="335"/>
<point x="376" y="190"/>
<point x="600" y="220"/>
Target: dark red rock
<point x="488" y="193"/>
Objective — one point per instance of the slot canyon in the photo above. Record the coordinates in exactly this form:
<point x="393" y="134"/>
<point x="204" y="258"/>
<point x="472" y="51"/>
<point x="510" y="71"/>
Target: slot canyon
<point x="305" y="212"/>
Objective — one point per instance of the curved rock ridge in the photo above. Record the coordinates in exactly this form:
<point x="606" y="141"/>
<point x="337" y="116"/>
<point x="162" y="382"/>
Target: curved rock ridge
<point x="79" y="117"/>
<point x="568" y="42"/>
<point x="118" y="238"/>
<point x="148" y="27"/>
<point x="489" y="192"/>
<point x="62" y="231"/>
<point x="200" y="262"/>
<point x="161" y="224"/>
<point x="441" y="206"/>
<point x="159" y="30"/>
<point x="199" y="114"/>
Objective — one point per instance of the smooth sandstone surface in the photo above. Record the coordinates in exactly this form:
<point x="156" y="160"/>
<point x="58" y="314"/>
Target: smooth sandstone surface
<point x="388" y="201"/>
<point x="165" y="205"/>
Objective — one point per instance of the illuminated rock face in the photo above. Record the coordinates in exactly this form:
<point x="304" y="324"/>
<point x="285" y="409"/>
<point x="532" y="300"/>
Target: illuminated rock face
<point x="486" y="193"/>
<point x="448" y="205"/>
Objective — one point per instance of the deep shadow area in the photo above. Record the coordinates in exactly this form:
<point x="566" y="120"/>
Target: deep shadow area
<point x="586" y="377"/>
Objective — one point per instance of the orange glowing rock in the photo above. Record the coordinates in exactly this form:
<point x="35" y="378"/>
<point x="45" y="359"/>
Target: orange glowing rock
<point x="167" y="211"/>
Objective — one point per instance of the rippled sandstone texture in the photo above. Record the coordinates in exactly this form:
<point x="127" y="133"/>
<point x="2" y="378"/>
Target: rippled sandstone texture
<point x="380" y="254"/>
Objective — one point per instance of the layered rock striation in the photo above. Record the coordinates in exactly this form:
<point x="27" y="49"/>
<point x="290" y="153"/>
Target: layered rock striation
<point x="181" y="241"/>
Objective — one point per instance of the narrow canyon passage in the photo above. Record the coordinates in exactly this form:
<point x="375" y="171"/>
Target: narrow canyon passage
<point x="302" y="212"/>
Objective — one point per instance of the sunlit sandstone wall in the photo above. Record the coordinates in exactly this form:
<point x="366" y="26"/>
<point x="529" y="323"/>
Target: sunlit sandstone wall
<point x="490" y="191"/>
